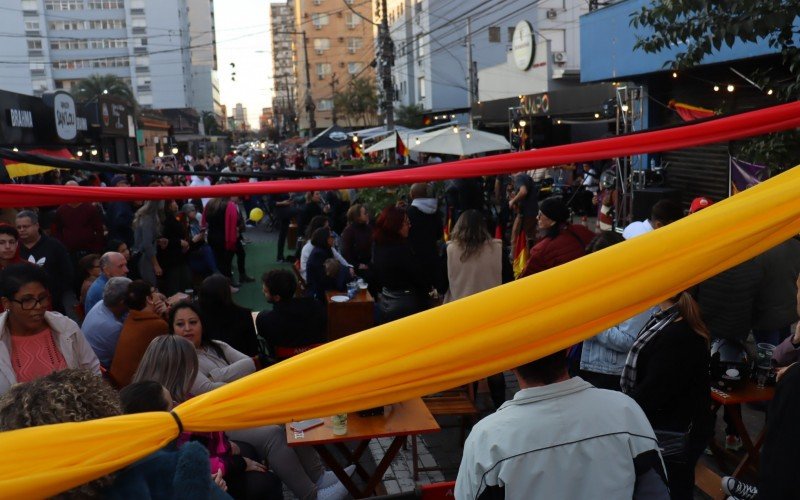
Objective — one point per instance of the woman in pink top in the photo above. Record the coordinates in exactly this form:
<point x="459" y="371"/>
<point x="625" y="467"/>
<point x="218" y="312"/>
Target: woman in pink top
<point x="34" y="341"/>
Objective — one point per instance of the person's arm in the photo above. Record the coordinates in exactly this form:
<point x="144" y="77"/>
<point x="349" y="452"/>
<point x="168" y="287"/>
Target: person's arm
<point x="348" y="244"/>
<point x="239" y="365"/>
<point x="521" y="194"/>
<point x="788" y="351"/>
<point x="651" y="480"/>
<point x="341" y="259"/>
<point x="620" y="337"/>
<point x="85" y="355"/>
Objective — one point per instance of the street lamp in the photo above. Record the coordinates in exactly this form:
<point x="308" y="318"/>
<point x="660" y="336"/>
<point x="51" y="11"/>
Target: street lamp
<point x="522" y="123"/>
<point x="160" y="154"/>
<point x="174" y="150"/>
<point x="79" y="154"/>
<point x="93" y="151"/>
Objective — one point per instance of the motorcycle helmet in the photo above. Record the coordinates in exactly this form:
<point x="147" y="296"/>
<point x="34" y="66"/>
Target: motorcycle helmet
<point x="608" y="179"/>
<point x="730" y="365"/>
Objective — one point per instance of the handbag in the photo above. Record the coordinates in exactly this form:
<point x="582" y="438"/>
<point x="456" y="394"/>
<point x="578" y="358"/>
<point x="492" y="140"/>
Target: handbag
<point x="396" y="304"/>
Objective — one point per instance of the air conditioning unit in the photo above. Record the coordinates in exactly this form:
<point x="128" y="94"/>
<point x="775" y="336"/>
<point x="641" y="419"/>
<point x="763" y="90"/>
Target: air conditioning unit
<point x="559" y="57"/>
<point x="552" y="13"/>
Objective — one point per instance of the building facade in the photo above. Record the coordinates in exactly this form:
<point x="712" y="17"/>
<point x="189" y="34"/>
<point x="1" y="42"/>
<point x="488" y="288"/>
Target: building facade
<point x="57" y="43"/>
<point x="284" y="72"/>
<point x="202" y="34"/>
<point x="340" y="42"/>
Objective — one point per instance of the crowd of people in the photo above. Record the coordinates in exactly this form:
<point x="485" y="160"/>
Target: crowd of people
<point x="129" y="307"/>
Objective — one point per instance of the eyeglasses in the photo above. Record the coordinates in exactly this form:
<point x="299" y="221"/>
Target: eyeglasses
<point x="29" y="303"/>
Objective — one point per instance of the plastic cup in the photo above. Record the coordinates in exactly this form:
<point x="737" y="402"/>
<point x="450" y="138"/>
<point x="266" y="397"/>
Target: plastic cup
<point x="339" y="424"/>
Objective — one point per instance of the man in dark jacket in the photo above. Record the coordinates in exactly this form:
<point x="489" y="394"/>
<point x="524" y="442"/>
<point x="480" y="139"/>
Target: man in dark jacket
<point x="295" y="324"/>
<point x="425" y="233"/>
<point x="46" y="252"/>
<point x="775" y="302"/>
<point x="119" y="215"/>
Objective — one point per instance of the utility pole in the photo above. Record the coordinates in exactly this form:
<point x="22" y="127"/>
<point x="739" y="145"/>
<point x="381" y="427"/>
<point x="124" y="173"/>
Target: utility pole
<point x="334" y="81"/>
<point x="470" y="75"/>
<point x="386" y="61"/>
<point x="310" y="107"/>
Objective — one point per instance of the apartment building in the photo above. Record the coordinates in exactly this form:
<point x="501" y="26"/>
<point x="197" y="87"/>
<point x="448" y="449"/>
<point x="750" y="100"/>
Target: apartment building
<point x="340" y="45"/>
<point x="56" y="43"/>
<point x="203" y="39"/>
<point x="284" y="72"/>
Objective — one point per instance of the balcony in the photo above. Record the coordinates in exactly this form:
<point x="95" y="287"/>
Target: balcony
<point x="142" y="69"/>
<point x="139" y="30"/>
<point x="137" y="12"/>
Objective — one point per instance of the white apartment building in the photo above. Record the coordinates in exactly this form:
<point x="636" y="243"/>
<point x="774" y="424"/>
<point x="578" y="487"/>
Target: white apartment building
<point x="203" y="39"/>
<point x="55" y="43"/>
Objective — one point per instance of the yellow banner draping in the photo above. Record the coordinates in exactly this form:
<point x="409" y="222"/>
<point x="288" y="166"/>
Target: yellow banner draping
<point x="24" y="169"/>
<point x="453" y="344"/>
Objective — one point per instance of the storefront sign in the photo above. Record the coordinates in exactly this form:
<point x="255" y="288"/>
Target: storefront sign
<point x="114" y="117"/>
<point x="20" y="118"/>
<point x="65" y="116"/>
<point x="536" y="104"/>
<point x="522" y="46"/>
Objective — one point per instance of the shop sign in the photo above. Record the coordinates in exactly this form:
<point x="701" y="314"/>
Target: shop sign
<point x="20" y="118"/>
<point x="114" y="118"/>
<point x="65" y="116"/>
<point x="522" y="46"/>
<point x="538" y="104"/>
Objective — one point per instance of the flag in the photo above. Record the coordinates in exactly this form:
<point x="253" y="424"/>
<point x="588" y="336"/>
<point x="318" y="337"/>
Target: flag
<point x="498" y="231"/>
<point x="521" y="254"/>
<point x="22" y="169"/>
<point x="448" y="225"/>
<point x="402" y="150"/>
<point x="688" y="112"/>
<point x="745" y="175"/>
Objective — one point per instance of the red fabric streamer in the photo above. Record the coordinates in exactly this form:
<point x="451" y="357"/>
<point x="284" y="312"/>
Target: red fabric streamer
<point x="763" y="121"/>
<point x="687" y="112"/>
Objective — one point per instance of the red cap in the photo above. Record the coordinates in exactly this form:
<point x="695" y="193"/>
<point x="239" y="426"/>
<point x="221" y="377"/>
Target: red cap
<point x="699" y="204"/>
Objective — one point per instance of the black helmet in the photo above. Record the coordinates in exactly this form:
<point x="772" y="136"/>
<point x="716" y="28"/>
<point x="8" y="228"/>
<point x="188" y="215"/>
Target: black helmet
<point x="730" y="365"/>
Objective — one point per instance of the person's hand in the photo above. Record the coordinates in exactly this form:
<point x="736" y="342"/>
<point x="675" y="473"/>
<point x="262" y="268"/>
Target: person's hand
<point x="511" y="204"/>
<point x="162" y="243"/>
<point x="184" y="245"/>
<point x="352" y="273"/>
<point x="796" y="336"/>
<point x="253" y="466"/>
<point x="781" y="371"/>
<point x="161" y="308"/>
<point x="157" y="268"/>
<point x="235" y="448"/>
<point x="217" y="478"/>
<point x="198" y="238"/>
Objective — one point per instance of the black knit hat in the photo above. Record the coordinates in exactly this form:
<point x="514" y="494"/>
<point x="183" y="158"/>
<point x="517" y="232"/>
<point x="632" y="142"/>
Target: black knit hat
<point x="555" y="208"/>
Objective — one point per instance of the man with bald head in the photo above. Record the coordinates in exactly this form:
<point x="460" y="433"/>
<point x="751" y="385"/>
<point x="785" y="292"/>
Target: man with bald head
<point x="112" y="265"/>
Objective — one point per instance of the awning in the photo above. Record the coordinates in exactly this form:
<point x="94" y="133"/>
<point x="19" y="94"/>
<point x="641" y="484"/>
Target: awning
<point x="330" y="138"/>
<point x="460" y="142"/>
<point x="17" y="169"/>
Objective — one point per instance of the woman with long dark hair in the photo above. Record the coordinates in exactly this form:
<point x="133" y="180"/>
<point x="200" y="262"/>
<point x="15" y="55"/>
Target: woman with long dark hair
<point x="221" y="217"/>
<point x="172" y="252"/>
<point x="404" y="288"/>
<point x="667" y="373"/>
<point x="323" y="271"/>
<point x="224" y="320"/>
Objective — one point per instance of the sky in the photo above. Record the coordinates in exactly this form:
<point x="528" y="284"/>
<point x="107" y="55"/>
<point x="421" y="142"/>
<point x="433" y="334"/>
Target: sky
<point x="243" y="39"/>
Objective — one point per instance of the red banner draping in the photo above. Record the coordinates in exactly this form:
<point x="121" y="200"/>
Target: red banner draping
<point x="687" y="112"/>
<point x="763" y="121"/>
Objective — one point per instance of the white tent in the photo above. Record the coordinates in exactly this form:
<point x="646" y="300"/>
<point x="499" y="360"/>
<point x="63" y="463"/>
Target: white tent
<point x="390" y="141"/>
<point x="458" y="141"/>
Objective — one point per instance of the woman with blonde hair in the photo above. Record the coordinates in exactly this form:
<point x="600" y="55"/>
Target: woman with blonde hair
<point x="667" y="373"/>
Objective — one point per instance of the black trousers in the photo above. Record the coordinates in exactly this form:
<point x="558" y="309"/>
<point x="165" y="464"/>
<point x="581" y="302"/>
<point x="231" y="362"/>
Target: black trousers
<point x="253" y="485"/>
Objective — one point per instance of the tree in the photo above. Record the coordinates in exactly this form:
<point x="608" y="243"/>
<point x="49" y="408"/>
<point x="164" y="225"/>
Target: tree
<point x="357" y="103"/>
<point x="211" y="124"/>
<point x="96" y="85"/>
<point x="700" y="27"/>
<point x="409" y="116"/>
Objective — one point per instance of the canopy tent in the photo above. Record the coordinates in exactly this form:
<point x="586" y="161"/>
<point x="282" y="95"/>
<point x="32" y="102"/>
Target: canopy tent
<point x="458" y="141"/>
<point x="331" y="138"/>
<point x="398" y="140"/>
<point x="21" y="169"/>
<point x="374" y="132"/>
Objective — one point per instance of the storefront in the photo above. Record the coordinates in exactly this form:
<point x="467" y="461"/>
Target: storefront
<point x="113" y="129"/>
<point x="52" y="121"/>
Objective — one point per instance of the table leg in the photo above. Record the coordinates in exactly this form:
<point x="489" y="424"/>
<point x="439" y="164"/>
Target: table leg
<point x="388" y="457"/>
<point x="354" y="457"/>
<point x="337" y="469"/>
<point x="751" y="451"/>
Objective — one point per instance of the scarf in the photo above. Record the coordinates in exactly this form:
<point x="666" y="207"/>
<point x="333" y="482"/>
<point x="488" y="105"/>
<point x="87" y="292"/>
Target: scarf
<point x="425" y="205"/>
<point x="653" y="326"/>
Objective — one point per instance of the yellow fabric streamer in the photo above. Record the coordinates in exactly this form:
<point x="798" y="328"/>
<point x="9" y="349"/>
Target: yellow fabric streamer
<point x="459" y="342"/>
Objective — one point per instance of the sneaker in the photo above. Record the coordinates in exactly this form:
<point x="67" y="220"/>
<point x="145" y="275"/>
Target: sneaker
<point x="738" y="489"/>
<point x="733" y="443"/>
<point x="328" y="478"/>
<point x="335" y="492"/>
<point x="244" y="278"/>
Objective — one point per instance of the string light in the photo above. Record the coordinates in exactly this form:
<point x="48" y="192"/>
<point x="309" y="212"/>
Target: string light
<point x="716" y="88"/>
<point x="355" y="138"/>
<point x="597" y="115"/>
<point x="160" y="154"/>
<point x="79" y="154"/>
<point x="769" y="92"/>
<point x="16" y="150"/>
<point x="624" y="108"/>
<point x="416" y="140"/>
<point x="469" y="135"/>
<point x="514" y="130"/>
<point x="730" y="87"/>
<point x="558" y="122"/>
<point x="674" y="74"/>
<point x="94" y="152"/>
<point x="522" y="123"/>
<point x="455" y="129"/>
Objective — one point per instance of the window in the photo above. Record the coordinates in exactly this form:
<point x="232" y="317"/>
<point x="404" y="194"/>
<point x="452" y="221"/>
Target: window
<point x="69" y="45"/>
<point x="325" y="104"/>
<point x="321" y="45"/>
<point x="31" y="5"/>
<point x="352" y="20"/>
<point x="511" y="34"/>
<point x="354" y="44"/>
<point x="31" y="25"/>
<point x="420" y="47"/>
<point x="354" y="67"/>
<point x="63" y="4"/>
<point x="421" y="87"/>
<point x="107" y="24"/>
<point x="106" y="62"/>
<point x="37" y="66"/>
<point x="34" y="44"/>
<point x="319" y="20"/>
<point x="67" y="25"/>
<point x="323" y="70"/>
<point x="494" y="34"/>
<point x="106" y="4"/>
<point x="109" y="43"/>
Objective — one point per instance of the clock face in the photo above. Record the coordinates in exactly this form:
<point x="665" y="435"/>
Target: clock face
<point x="522" y="48"/>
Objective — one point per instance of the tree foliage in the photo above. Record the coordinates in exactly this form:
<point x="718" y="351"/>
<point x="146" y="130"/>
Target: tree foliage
<point x="93" y="86"/>
<point x="698" y="28"/>
<point x="409" y="116"/>
<point x="211" y="124"/>
<point x="357" y="103"/>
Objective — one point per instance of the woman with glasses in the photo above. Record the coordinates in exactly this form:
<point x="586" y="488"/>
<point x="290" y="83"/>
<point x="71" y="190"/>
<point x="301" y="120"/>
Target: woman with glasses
<point x="35" y="341"/>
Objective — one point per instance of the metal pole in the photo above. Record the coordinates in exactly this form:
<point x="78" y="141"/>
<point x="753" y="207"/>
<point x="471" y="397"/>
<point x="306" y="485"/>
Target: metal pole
<point x="470" y="76"/>
<point x="310" y="107"/>
<point x="386" y="58"/>
<point x="334" y="81"/>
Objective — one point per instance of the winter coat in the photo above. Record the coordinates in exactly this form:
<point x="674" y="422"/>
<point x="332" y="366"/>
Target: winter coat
<point x="569" y="244"/>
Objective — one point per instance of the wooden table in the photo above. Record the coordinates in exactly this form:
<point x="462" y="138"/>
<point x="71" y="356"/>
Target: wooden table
<point x="732" y="402"/>
<point x="353" y="316"/>
<point x="398" y="421"/>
